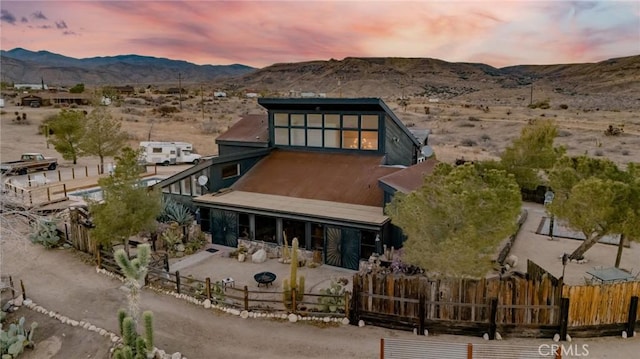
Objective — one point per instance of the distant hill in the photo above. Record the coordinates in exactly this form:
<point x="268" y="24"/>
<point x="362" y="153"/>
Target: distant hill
<point x="24" y="66"/>
<point x="614" y="83"/>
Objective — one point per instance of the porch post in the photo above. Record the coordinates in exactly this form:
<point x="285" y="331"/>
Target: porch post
<point x="279" y="231"/>
<point x="252" y="226"/>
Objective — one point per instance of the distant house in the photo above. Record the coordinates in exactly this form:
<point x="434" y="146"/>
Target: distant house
<point x="252" y="94"/>
<point x="32" y="101"/>
<point x="124" y="90"/>
<point x="173" y="91"/>
<point x="66" y="98"/>
<point x="30" y="87"/>
<point x="319" y="169"/>
<point x="219" y="94"/>
<point x="307" y="94"/>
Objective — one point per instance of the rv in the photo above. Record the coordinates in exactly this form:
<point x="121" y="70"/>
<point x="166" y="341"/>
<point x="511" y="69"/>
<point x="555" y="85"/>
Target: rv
<point x="168" y="153"/>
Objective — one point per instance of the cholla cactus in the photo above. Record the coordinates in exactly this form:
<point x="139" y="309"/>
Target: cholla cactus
<point x="134" y="271"/>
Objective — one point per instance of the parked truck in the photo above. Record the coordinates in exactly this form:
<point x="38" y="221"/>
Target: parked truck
<point x="29" y="162"/>
<point x="168" y="153"/>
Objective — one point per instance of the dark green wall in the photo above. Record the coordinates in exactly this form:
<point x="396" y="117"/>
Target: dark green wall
<point x="399" y="148"/>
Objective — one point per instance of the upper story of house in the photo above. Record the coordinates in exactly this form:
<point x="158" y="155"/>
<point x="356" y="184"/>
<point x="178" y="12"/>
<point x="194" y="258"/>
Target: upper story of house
<point x="364" y="126"/>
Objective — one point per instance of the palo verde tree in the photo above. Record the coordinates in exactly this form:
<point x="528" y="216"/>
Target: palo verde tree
<point x="455" y="221"/>
<point x="103" y="135"/>
<point x="68" y="130"/>
<point x="127" y="208"/>
<point x="530" y="154"/>
<point x="597" y="198"/>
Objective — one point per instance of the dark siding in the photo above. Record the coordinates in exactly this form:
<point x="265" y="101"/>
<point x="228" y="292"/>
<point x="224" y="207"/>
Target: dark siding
<point x="224" y="150"/>
<point x="402" y="151"/>
<point x="215" y="173"/>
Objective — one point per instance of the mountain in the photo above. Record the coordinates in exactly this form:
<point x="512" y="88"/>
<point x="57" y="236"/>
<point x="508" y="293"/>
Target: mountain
<point x="613" y="83"/>
<point x="24" y="66"/>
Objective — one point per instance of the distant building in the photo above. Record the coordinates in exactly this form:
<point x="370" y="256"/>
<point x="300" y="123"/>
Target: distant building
<point x="30" y="87"/>
<point x="251" y="94"/>
<point x="219" y="94"/>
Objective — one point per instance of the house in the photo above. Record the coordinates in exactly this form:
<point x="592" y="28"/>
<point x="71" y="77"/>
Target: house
<point x="219" y="94"/>
<point x="32" y="101"/>
<point x="318" y="169"/>
<point x="30" y="86"/>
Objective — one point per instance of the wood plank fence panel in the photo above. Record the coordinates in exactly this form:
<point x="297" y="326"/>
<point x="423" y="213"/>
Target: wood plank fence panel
<point x="600" y="304"/>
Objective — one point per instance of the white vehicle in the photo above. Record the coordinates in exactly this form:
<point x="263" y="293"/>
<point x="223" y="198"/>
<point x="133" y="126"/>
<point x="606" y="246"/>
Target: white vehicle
<point x="168" y="153"/>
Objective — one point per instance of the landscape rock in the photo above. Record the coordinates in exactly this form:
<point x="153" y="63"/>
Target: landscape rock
<point x="176" y="355"/>
<point x="244" y="314"/>
<point x="18" y="301"/>
<point x="361" y="323"/>
<point x="293" y="318"/>
<point x="485" y="336"/>
<point x="556" y="337"/>
<point x="207" y="304"/>
<point x="345" y="321"/>
<point x="260" y="256"/>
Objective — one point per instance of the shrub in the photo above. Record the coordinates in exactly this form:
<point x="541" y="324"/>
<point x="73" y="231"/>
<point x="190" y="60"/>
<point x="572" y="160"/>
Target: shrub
<point x="564" y="106"/>
<point x="540" y="104"/>
<point x="468" y="142"/>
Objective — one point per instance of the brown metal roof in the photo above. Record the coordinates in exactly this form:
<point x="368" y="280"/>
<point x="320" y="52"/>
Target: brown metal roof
<point x="368" y="215"/>
<point x="411" y="178"/>
<point x="336" y="177"/>
<point x="250" y="128"/>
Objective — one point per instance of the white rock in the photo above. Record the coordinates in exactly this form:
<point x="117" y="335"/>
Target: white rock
<point x="498" y="336"/>
<point x="176" y="355"/>
<point x="52" y="314"/>
<point x="327" y="319"/>
<point x="166" y="356"/>
<point x="556" y="337"/>
<point x="114" y="339"/>
<point x="27" y="302"/>
<point x="624" y="334"/>
<point x="244" y="314"/>
<point x="568" y="338"/>
<point x="74" y="323"/>
<point x="293" y="318"/>
<point x="415" y="331"/>
<point x="485" y="336"/>
<point x="426" y="333"/>
<point x="86" y="325"/>
<point x="207" y="304"/>
<point x="63" y="319"/>
<point x="345" y="321"/>
<point x="92" y="328"/>
<point x="18" y="301"/>
<point x="260" y="256"/>
<point x="102" y="332"/>
<point x="361" y="323"/>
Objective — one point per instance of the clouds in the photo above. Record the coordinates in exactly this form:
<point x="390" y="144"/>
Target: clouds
<point x="260" y="33"/>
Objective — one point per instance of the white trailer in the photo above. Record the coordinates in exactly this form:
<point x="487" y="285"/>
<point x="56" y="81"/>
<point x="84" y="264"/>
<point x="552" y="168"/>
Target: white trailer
<point x="168" y="153"/>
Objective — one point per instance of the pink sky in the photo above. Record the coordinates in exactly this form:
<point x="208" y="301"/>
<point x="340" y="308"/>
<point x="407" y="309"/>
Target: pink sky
<point x="261" y="33"/>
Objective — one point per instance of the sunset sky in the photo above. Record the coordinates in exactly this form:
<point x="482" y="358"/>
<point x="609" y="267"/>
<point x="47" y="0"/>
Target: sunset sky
<point x="261" y="33"/>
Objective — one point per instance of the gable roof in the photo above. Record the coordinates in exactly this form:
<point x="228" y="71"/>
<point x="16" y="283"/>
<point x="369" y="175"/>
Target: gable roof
<point x="336" y="177"/>
<point x="250" y="128"/>
<point x="411" y="178"/>
<point x="335" y="104"/>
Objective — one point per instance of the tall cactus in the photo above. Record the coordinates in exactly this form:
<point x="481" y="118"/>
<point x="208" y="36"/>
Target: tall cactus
<point x="134" y="270"/>
<point x="147" y="318"/>
<point x="293" y="280"/>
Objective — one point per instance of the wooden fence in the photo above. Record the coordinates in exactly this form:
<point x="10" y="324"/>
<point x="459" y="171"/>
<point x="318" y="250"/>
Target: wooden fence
<point x="29" y="197"/>
<point x="458" y="306"/>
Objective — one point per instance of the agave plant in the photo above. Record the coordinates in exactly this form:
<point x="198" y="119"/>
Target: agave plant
<point x="173" y="211"/>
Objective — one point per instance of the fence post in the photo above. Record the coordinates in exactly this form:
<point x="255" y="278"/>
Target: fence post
<point x="381" y="348"/>
<point x="86" y="171"/>
<point x="13" y="290"/>
<point x="494" y="315"/>
<point x="469" y="351"/>
<point x="346" y="304"/>
<point x="29" y="180"/>
<point x="633" y="314"/>
<point x="246" y="298"/>
<point x="178" y="281"/>
<point x="353" y="319"/>
<point x="421" y="313"/>
<point x="64" y="188"/>
<point x="207" y="282"/>
<point x="564" y="318"/>
<point x="24" y="294"/>
<point x="99" y="172"/>
<point x="73" y="173"/>
<point x="59" y="176"/>
<point x="166" y="262"/>
<point x="99" y="257"/>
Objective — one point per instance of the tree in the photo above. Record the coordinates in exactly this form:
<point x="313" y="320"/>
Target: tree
<point x="532" y="152"/>
<point x="103" y="135"/>
<point x="127" y="208"/>
<point x="78" y="88"/>
<point x="68" y="130"/>
<point x="454" y="222"/>
<point x="597" y="198"/>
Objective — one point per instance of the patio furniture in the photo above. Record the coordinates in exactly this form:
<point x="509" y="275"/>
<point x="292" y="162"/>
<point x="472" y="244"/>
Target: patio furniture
<point x="228" y="282"/>
<point x="609" y="275"/>
<point x="265" y="278"/>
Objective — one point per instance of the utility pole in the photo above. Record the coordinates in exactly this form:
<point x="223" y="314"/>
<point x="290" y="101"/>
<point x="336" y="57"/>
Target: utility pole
<point x="531" y="96"/>
<point x="202" y="100"/>
<point x="180" y="88"/>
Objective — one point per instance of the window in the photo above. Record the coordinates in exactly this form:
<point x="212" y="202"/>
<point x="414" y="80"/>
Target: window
<point x="281" y="119"/>
<point x="244" y="226"/>
<point x="350" y="121"/>
<point x="230" y="171"/>
<point x="369" y="140"/>
<point x="297" y="120"/>
<point x="314" y="138"/>
<point x="297" y="137"/>
<point x="369" y="122"/>
<point x="314" y="120"/>
<point x="332" y="138"/>
<point x="266" y="229"/>
<point x="368" y="243"/>
<point x="350" y="139"/>
<point x="157" y="150"/>
<point x="282" y="136"/>
<point x="332" y="121"/>
<point x="186" y="186"/>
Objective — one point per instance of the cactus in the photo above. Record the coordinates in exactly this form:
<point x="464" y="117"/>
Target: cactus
<point x="148" y="329"/>
<point x="45" y="232"/>
<point x="141" y="350"/>
<point x="333" y="299"/>
<point x="121" y="315"/>
<point x="13" y="341"/>
<point x="285" y="249"/>
<point x="134" y="270"/>
<point x="294" y="263"/>
<point x="129" y="332"/>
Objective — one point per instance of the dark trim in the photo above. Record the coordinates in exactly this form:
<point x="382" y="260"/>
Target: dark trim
<point x="243" y="143"/>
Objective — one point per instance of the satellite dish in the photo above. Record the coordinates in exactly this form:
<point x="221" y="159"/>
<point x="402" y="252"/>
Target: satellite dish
<point x="202" y="180"/>
<point x="427" y="151"/>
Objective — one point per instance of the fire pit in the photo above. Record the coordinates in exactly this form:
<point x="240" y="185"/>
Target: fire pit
<point x="265" y="278"/>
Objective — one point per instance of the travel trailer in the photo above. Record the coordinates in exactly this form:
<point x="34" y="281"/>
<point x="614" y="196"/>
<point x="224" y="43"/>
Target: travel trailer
<point x="168" y="153"/>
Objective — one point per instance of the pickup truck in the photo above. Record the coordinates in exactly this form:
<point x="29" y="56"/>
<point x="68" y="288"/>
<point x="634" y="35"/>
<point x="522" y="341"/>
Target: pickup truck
<point x="28" y="162"/>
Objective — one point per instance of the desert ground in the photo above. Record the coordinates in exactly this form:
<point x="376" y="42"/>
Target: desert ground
<point x="62" y="280"/>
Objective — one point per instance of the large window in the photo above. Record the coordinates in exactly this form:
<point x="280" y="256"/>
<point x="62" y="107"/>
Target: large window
<point x="346" y="131"/>
<point x="230" y="171"/>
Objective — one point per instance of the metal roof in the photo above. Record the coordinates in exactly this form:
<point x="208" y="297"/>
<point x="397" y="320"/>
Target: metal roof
<point x="336" y="177"/>
<point x="411" y="178"/>
<point x="300" y="207"/>
<point x="250" y="128"/>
